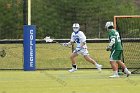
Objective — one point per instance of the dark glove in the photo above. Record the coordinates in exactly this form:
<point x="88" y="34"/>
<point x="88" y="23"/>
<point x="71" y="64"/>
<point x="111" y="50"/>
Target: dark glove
<point x="108" y="48"/>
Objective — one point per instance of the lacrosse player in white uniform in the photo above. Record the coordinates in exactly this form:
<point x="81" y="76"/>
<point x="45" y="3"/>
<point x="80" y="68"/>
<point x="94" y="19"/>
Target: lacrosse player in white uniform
<point x="81" y="48"/>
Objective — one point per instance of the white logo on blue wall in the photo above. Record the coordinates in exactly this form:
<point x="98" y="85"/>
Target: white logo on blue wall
<point x="31" y="48"/>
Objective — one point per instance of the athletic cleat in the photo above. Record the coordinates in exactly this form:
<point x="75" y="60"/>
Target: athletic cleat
<point x="73" y="69"/>
<point x="114" y="76"/>
<point x="120" y="73"/>
<point x="128" y="73"/>
<point x="99" y="67"/>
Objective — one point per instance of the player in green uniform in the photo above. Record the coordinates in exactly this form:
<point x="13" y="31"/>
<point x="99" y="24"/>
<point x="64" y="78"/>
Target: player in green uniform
<point x="116" y="50"/>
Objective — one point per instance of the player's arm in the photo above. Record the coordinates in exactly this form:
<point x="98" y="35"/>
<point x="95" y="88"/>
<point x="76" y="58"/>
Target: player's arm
<point x="71" y="42"/>
<point x="68" y="44"/>
<point x="83" y="39"/>
<point x="82" y="44"/>
<point x="112" y="42"/>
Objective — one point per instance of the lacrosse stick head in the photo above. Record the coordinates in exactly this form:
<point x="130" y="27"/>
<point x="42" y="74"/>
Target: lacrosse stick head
<point x="48" y="39"/>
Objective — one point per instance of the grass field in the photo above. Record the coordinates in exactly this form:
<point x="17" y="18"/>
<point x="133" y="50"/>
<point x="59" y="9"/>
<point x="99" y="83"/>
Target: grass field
<point x="61" y="81"/>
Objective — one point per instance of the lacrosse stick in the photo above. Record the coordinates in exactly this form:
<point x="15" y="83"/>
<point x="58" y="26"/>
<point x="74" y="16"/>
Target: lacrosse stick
<point x="50" y="40"/>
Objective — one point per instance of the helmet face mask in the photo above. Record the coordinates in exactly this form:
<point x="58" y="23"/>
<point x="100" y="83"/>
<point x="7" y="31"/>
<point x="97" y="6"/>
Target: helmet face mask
<point x="108" y="25"/>
<point x="76" y="27"/>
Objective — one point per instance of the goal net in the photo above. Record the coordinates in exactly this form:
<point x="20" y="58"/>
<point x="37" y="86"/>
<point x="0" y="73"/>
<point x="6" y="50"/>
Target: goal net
<point x="129" y="29"/>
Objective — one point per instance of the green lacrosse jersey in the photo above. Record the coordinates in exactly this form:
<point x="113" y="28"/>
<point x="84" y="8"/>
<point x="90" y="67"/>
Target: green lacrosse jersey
<point x="114" y="34"/>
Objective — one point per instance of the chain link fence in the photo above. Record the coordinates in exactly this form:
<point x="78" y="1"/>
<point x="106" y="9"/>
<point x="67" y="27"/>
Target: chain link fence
<point x="54" y="18"/>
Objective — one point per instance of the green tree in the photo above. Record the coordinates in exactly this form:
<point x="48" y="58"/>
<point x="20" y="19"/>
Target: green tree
<point x="55" y="17"/>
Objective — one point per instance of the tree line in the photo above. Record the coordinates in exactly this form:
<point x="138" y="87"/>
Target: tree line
<point x="55" y="17"/>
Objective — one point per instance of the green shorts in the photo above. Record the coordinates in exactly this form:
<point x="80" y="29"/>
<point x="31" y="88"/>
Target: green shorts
<point x="116" y="55"/>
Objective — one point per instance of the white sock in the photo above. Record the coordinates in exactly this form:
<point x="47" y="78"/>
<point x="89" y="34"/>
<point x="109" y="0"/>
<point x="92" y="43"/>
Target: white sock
<point x="96" y="64"/>
<point x="115" y="72"/>
<point x="126" y="70"/>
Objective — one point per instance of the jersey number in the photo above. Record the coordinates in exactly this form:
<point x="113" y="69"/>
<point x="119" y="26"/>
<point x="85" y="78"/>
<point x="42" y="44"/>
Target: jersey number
<point x="118" y="37"/>
<point x="77" y="40"/>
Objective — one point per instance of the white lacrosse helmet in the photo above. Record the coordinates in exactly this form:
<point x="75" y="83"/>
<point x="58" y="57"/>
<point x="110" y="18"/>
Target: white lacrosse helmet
<point x="108" y="24"/>
<point x="76" y="27"/>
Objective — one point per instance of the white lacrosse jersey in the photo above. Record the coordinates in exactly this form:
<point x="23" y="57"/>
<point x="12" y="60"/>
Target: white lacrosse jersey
<point x="78" y="38"/>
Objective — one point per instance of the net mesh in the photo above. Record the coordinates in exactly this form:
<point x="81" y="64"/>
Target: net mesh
<point x="54" y="18"/>
<point x="55" y="56"/>
<point x="129" y="28"/>
<point x="11" y="27"/>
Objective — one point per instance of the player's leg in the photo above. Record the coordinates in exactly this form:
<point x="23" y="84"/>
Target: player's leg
<point x="113" y="57"/>
<point x="85" y="53"/>
<point x="114" y="68"/>
<point x="122" y="64"/>
<point x="89" y="59"/>
<point x="124" y="67"/>
<point x="73" y="60"/>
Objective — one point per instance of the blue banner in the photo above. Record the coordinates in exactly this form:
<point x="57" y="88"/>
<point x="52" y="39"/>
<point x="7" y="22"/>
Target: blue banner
<point x="29" y="47"/>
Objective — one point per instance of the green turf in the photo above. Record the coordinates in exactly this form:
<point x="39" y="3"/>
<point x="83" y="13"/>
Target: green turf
<point x="82" y="81"/>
